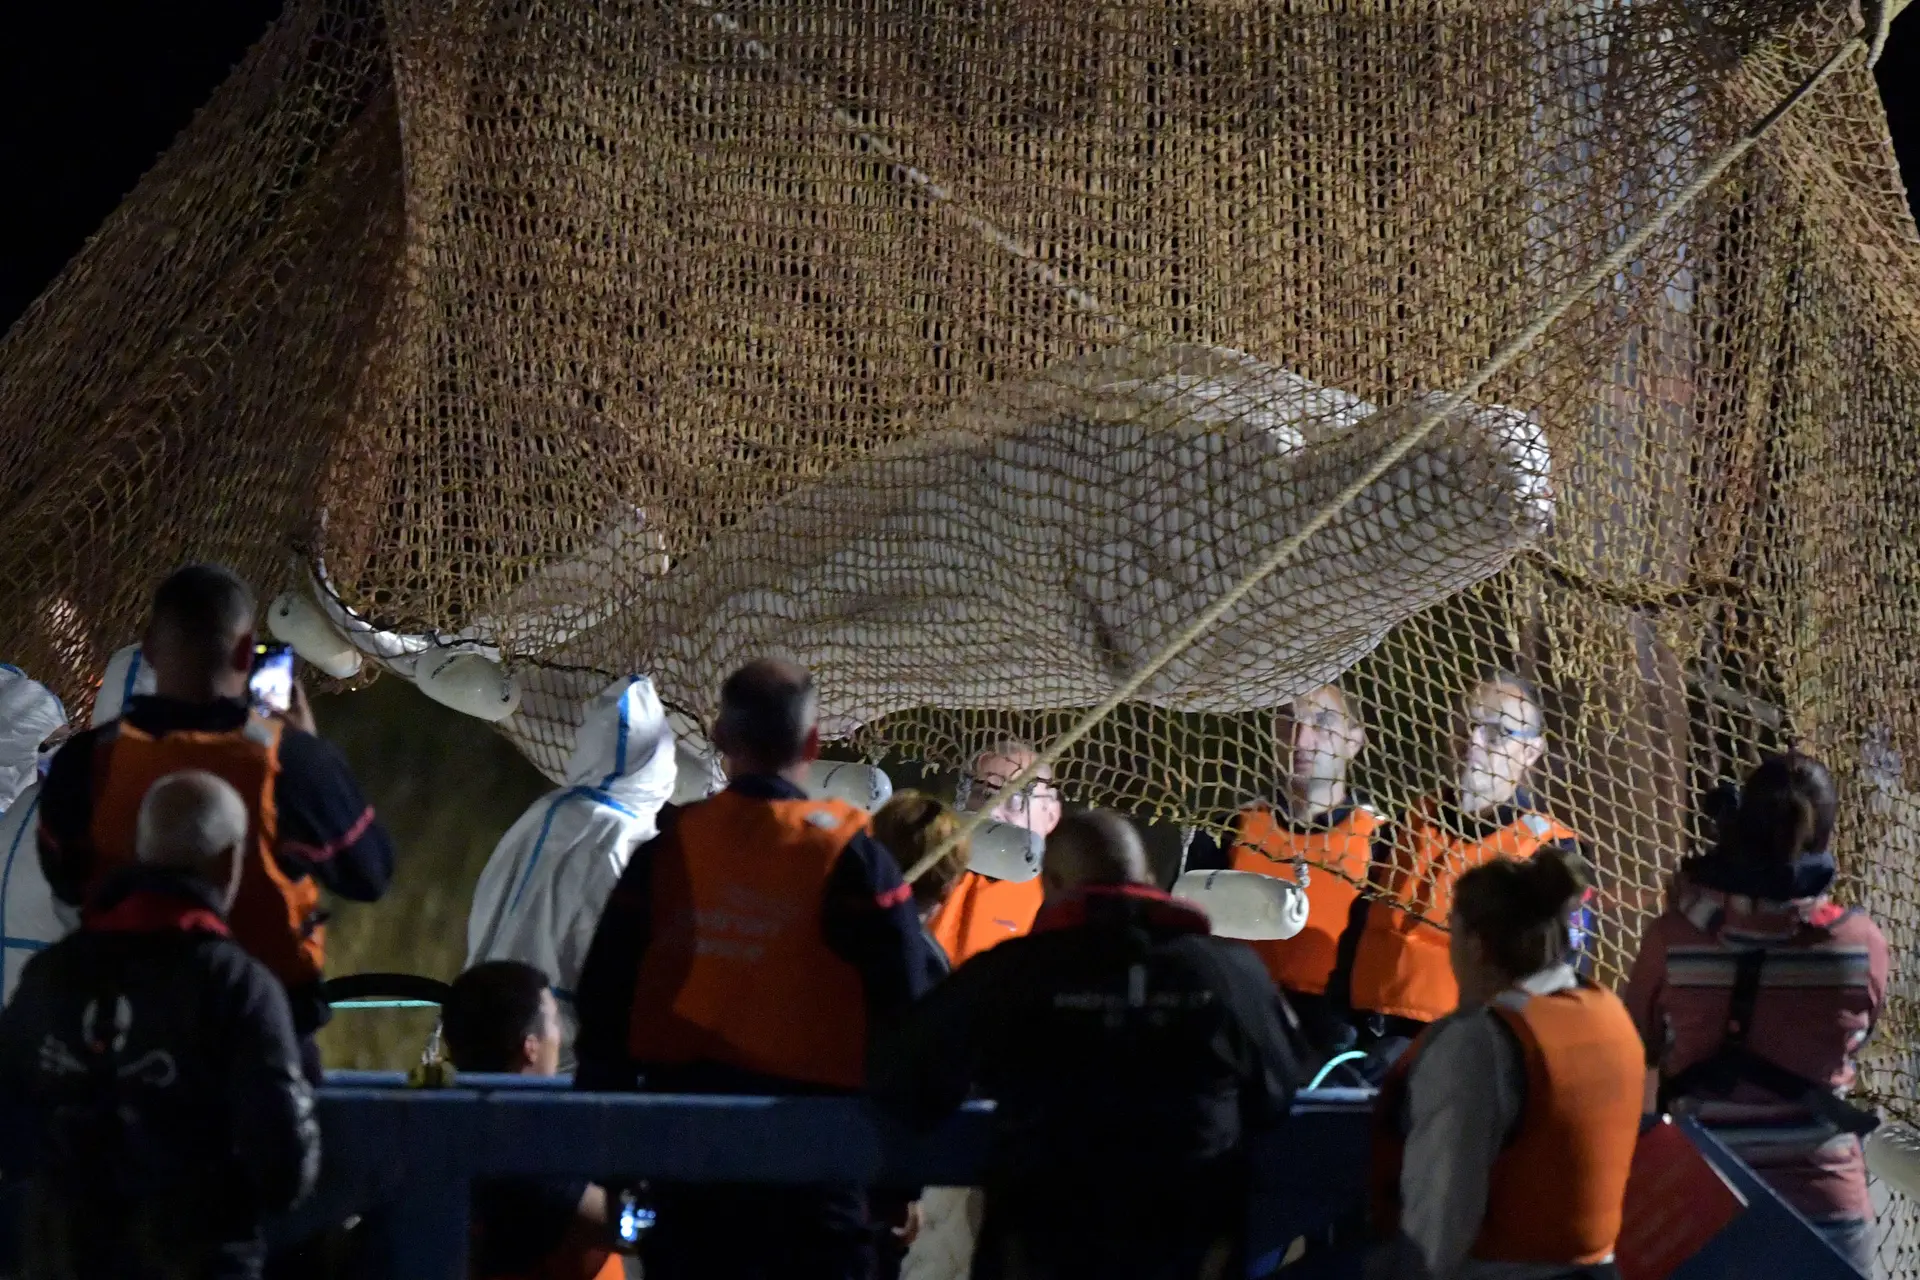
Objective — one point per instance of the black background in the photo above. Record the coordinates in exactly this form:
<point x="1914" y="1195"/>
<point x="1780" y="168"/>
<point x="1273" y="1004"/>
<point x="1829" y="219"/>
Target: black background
<point x="94" y="92"/>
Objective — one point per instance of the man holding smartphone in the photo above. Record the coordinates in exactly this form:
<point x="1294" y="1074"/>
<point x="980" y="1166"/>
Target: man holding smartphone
<point x="311" y="827"/>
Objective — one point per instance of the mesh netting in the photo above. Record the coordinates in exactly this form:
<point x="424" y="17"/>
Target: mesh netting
<point x="969" y="349"/>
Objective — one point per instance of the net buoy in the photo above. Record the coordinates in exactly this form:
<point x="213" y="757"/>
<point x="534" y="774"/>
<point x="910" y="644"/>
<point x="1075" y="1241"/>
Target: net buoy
<point x="1002" y="851"/>
<point x="697" y="775"/>
<point x="298" y="623"/>
<point x="860" y="785"/>
<point x="1245" y="904"/>
<point x="469" y="683"/>
<point x="1893" y="1156"/>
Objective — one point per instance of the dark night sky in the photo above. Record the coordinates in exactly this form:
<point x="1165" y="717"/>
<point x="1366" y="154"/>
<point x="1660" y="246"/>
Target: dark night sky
<point x="97" y="90"/>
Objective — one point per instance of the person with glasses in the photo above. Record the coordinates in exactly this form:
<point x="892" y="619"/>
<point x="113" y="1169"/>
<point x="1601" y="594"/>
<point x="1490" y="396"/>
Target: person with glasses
<point x="982" y="911"/>
<point x="1318" y="832"/>
<point x="1401" y="979"/>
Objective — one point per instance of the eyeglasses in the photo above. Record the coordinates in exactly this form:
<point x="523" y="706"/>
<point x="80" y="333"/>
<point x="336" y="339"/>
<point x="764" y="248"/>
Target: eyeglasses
<point x="1496" y="731"/>
<point x="1020" y="801"/>
<point x="1324" y="720"/>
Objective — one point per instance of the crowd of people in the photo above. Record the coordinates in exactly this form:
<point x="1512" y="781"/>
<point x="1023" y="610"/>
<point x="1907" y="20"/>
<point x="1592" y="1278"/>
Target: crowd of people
<point x="157" y="1062"/>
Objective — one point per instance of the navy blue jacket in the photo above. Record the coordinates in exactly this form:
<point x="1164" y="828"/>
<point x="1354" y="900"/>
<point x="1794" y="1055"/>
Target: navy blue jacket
<point x="327" y="829"/>
<point x="150" y="1086"/>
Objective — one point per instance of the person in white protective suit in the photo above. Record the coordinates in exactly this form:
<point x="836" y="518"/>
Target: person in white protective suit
<point x="30" y="919"/>
<point x="541" y="894"/>
<point x="30" y="715"/>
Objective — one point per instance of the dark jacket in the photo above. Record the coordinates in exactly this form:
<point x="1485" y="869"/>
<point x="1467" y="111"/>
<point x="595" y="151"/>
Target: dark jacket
<point x="151" y="1072"/>
<point x="866" y="918"/>
<point x="327" y="829"/>
<point x="1123" y="1046"/>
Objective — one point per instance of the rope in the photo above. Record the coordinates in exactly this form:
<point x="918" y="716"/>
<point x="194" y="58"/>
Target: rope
<point x="919" y="179"/>
<point x="1600" y="273"/>
<point x="1351" y="1055"/>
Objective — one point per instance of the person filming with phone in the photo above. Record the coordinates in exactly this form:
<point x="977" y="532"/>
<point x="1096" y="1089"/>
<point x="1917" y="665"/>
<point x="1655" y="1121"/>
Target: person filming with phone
<point x="309" y="827"/>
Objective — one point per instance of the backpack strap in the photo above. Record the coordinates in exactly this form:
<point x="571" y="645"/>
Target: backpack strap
<point x="1734" y="1062"/>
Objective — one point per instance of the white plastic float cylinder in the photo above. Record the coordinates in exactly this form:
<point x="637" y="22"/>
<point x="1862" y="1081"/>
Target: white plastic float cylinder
<point x="469" y="683"/>
<point x="1893" y="1156"/>
<point x="297" y="622"/>
<point x="1002" y="851"/>
<point x="860" y="785"/>
<point x="697" y="775"/>
<point x="1245" y="904"/>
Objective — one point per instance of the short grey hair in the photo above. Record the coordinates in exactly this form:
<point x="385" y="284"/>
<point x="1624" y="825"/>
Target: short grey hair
<point x="189" y="820"/>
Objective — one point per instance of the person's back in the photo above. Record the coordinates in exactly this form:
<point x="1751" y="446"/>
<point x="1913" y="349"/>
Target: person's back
<point x="155" y="1063"/>
<point x="1130" y="1056"/>
<point x="1815" y="974"/>
<point x="311" y="828"/>
<point x="753" y="946"/>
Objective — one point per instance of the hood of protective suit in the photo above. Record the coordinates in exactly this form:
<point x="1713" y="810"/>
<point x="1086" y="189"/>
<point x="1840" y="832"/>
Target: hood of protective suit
<point x="29" y="711"/>
<point x="127" y="677"/>
<point x="624" y="746"/>
<point x="541" y="894"/>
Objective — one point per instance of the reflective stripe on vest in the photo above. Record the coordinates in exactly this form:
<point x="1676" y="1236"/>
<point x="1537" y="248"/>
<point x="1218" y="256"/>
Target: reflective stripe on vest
<point x="1400" y="967"/>
<point x="1555" y="1191"/>
<point x="737" y="971"/>
<point x="981" y="912"/>
<point x="1305" y="961"/>
<point x="275" y="917"/>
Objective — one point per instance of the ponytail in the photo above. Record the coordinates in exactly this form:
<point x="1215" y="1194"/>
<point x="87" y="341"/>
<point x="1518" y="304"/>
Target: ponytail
<point x="1520" y="911"/>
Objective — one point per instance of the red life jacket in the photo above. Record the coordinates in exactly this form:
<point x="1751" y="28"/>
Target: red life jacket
<point x="1555" y="1191"/>
<point x="738" y="972"/>
<point x="1267" y="846"/>
<point x="1400" y="967"/>
<point x="275" y="916"/>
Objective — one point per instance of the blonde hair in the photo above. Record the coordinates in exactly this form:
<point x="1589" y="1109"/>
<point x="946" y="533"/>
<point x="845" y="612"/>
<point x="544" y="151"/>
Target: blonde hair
<point x="913" y="824"/>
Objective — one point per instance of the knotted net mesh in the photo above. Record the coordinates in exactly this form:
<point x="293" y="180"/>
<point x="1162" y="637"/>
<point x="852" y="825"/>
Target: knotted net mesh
<point x="967" y="350"/>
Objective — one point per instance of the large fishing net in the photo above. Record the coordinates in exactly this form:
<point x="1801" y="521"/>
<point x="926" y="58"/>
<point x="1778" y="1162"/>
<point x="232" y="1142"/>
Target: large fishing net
<point x="974" y="351"/>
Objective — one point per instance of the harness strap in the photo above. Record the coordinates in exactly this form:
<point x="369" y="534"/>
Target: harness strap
<point x="1734" y="1062"/>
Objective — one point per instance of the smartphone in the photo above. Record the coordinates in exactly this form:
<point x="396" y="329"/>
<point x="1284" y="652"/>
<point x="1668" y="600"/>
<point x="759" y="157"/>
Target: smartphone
<point x="271" y="684"/>
<point x="635" y="1220"/>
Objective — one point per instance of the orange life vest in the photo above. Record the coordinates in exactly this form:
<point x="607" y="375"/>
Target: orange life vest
<point x="1264" y="845"/>
<point x="1400" y="967"/>
<point x="738" y="971"/>
<point x="981" y="912"/>
<point x="568" y="1262"/>
<point x="1555" y="1191"/>
<point x="276" y="917"/>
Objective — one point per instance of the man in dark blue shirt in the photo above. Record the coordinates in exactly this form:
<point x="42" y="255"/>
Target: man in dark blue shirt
<point x="315" y="827"/>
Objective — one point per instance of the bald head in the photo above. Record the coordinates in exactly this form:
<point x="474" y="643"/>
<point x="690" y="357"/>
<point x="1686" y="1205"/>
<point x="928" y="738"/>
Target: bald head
<point x="1092" y="849"/>
<point x="195" y="823"/>
<point x="769" y="718"/>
